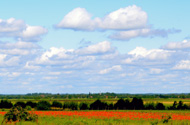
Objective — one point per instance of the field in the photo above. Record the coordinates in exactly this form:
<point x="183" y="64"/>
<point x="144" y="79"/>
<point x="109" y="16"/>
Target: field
<point x="131" y="117"/>
<point x="166" y="102"/>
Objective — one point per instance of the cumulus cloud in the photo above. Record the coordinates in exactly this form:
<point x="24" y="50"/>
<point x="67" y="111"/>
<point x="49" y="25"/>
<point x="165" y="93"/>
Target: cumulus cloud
<point x="18" y="29"/>
<point x="130" y="17"/>
<point x="145" y="32"/>
<point x="18" y="48"/>
<point x="5" y="60"/>
<point x="183" y="65"/>
<point x="113" y="68"/>
<point x="97" y="64"/>
<point x="99" y="48"/>
<point x="77" y="19"/>
<point x="129" y="22"/>
<point x="156" y="71"/>
<point x="185" y="44"/>
<point x="122" y="19"/>
<point x="141" y="52"/>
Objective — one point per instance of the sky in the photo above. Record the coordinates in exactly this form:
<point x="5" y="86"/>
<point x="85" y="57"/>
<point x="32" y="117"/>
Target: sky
<point x="82" y="46"/>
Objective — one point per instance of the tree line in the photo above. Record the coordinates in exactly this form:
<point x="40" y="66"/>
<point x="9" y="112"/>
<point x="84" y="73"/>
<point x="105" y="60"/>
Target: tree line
<point x="121" y="104"/>
<point x="91" y="95"/>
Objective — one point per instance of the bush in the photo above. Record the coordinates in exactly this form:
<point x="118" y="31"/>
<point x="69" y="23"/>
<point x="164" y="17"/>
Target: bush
<point x="22" y="104"/>
<point x="83" y="106"/>
<point x="43" y="105"/>
<point x="56" y="104"/>
<point x="17" y="114"/>
<point x="28" y="108"/>
<point x="98" y="105"/>
<point x="150" y="106"/>
<point x="160" y="106"/>
<point x="70" y="105"/>
<point x="32" y="104"/>
<point x="137" y="103"/>
<point x="120" y="104"/>
<point x="5" y="104"/>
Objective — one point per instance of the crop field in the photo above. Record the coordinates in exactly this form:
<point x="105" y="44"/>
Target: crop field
<point x="166" y="102"/>
<point x="145" y="117"/>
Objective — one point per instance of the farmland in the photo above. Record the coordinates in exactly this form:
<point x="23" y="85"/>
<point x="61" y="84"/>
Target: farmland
<point x="167" y="102"/>
<point x="145" y="117"/>
<point x="55" y="111"/>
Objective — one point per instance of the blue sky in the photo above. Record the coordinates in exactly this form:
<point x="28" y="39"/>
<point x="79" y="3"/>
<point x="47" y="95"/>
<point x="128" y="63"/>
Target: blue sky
<point x="80" y="46"/>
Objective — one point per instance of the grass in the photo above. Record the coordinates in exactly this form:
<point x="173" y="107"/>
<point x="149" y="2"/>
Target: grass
<point x="75" y="120"/>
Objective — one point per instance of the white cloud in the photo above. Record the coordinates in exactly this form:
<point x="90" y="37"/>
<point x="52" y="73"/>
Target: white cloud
<point x="185" y="44"/>
<point x="145" y="32"/>
<point x="58" y="53"/>
<point x="11" y="26"/>
<point x="78" y="19"/>
<point x="113" y="68"/>
<point x="18" y="48"/>
<point x="31" y="66"/>
<point x="49" y="78"/>
<point x="99" y="48"/>
<point x="129" y="22"/>
<point x="33" y="33"/>
<point x="20" y="30"/>
<point x="8" y="61"/>
<point x="153" y="54"/>
<point x="183" y="65"/>
<point x="122" y="19"/>
<point x="155" y="71"/>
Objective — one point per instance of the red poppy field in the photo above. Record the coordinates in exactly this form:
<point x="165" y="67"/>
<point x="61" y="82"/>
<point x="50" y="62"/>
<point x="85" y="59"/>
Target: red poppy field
<point x="115" y="117"/>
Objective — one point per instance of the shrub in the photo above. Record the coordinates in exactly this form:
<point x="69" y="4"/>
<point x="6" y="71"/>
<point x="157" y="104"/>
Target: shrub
<point x="17" y="114"/>
<point x="83" y="106"/>
<point x="98" y="105"/>
<point x="70" y="105"/>
<point x="160" y="106"/>
<point x="56" y="104"/>
<point x="5" y="104"/>
<point x="28" y="108"/>
<point x="43" y="105"/>
<point x="150" y="106"/>
<point x="120" y="104"/>
<point x="32" y="104"/>
<point x="137" y="103"/>
<point x="22" y="104"/>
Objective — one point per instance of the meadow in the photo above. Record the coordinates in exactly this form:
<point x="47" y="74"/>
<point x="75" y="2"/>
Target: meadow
<point x="68" y="115"/>
<point x="166" y="102"/>
<point x="130" y="117"/>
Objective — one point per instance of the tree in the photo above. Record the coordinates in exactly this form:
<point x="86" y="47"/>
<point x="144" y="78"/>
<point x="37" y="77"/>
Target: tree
<point x="70" y="105"/>
<point x="22" y="104"/>
<point x="31" y="104"/>
<point x="137" y="103"/>
<point x="160" y="106"/>
<point x="5" y="104"/>
<point x="43" y="105"/>
<point x="98" y="105"/>
<point x="83" y="106"/>
<point x="57" y="104"/>
<point x="120" y="104"/>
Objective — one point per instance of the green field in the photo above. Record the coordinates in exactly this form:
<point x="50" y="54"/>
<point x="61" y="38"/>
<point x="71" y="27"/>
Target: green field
<point x="166" y="102"/>
<point x="73" y="120"/>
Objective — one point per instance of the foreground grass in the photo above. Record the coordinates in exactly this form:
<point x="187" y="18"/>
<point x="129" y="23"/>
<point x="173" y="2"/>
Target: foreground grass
<point x="76" y="120"/>
<point x="66" y="120"/>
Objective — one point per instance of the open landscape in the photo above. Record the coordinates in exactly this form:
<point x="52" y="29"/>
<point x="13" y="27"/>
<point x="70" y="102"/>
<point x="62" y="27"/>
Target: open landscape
<point x="53" y="110"/>
<point x="94" y="62"/>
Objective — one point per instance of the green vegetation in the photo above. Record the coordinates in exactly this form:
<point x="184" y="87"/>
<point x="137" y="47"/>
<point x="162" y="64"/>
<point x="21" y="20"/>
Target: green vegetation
<point x="17" y="114"/>
<point x="119" y="104"/>
<point x="37" y="96"/>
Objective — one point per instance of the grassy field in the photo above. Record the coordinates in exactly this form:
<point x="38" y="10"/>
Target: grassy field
<point x="124" y="117"/>
<point x="166" y="102"/>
